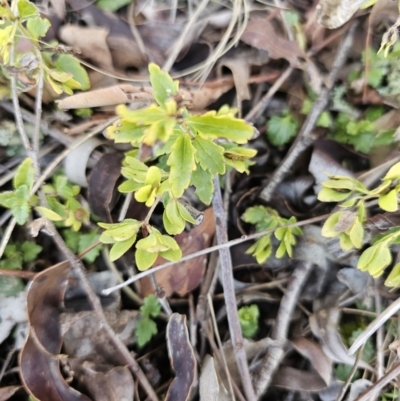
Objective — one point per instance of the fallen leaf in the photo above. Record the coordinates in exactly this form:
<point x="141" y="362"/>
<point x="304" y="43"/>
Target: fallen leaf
<point x="41" y="376"/>
<point x="85" y="336"/>
<point x="102" y="185"/>
<point x="91" y="43"/>
<point x="44" y="300"/>
<point x="298" y="380"/>
<point x="182" y="359"/>
<point x="104" y="383"/>
<point x="261" y="34"/>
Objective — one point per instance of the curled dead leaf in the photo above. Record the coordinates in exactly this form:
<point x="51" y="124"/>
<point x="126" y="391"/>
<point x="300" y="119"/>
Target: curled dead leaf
<point x="182" y="359"/>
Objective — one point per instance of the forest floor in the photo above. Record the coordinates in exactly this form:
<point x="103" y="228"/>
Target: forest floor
<point x="287" y="286"/>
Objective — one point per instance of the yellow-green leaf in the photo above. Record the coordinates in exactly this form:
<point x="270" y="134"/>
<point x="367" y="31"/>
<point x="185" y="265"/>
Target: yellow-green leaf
<point x="209" y="155"/>
<point x="49" y="214"/>
<point x="203" y="181"/>
<point x="38" y="27"/>
<point x="389" y="201"/>
<point x="68" y="63"/>
<point x="25" y="174"/>
<point x="328" y="229"/>
<point x="162" y="83"/>
<point x="393" y="173"/>
<point x="27" y="10"/>
<point x="393" y="279"/>
<point x="330" y="195"/>
<point x="144" y="259"/>
<point x="173" y="222"/>
<point x="119" y="248"/>
<point x="356" y="234"/>
<point x="212" y="125"/>
<point x="181" y="161"/>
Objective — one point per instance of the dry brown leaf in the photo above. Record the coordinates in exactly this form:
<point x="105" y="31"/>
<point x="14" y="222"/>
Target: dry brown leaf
<point x="261" y="34"/>
<point x="41" y="376"/>
<point x="194" y="98"/>
<point x="298" y="380"/>
<point x="313" y="352"/>
<point x="182" y="359"/>
<point x="102" y="185"/>
<point x="110" y="96"/>
<point x="104" y="383"/>
<point x="86" y="338"/>
<point x="91" y="43"/>
<point x="183" y="277"/>
<point x="44" y="300"/>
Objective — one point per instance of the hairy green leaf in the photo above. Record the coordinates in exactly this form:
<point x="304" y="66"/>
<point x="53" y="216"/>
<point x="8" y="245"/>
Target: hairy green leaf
<point x="27" y="10"/>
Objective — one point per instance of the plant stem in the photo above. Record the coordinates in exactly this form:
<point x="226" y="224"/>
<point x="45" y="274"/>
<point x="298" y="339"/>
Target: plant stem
<point x="229" y="293"/>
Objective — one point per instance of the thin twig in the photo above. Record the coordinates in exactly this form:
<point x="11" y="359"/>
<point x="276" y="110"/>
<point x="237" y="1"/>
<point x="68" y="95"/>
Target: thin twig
<point x="374" y="325"/>
<point x="219" y="342"/>
<point x="349" y="379"/>
<point x="260" y="107"/>
<point x="380" y="359"/>
<point x="229" y="292"/>
<point x="275" y="352"/>
<point x="305" y="137"/>
<point x="380" y="384"/>
<point x="38" y="112"/>
<point x="218" y="247"/>
<point x="178" y="45"/>
<point x="7" y="235"/>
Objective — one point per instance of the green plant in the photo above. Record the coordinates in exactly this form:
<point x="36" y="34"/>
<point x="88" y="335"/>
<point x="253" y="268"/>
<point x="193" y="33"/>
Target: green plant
<point x="63" y="206"/>
<point x="248" y="318"/>
<point x="78" y="242"/>
<point x="281" y="129"/>
<point x="265" y="218"/>
<point x="193" y="147"/>
<point x="14" y="258"/>
<point x="347" y="224"/>
<point x="146" y="326"/>
<point x="62" y="72"/>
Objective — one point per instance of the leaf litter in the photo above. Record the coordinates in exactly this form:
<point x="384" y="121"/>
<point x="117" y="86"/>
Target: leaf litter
<point x="308" y="322"/>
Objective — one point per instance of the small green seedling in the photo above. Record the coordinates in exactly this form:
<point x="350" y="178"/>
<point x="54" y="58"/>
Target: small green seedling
<point x="248" y="318"/>
<point x="347" y="224"/>
<point x="146" y="326"/>
<point x="265" y="218"/>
